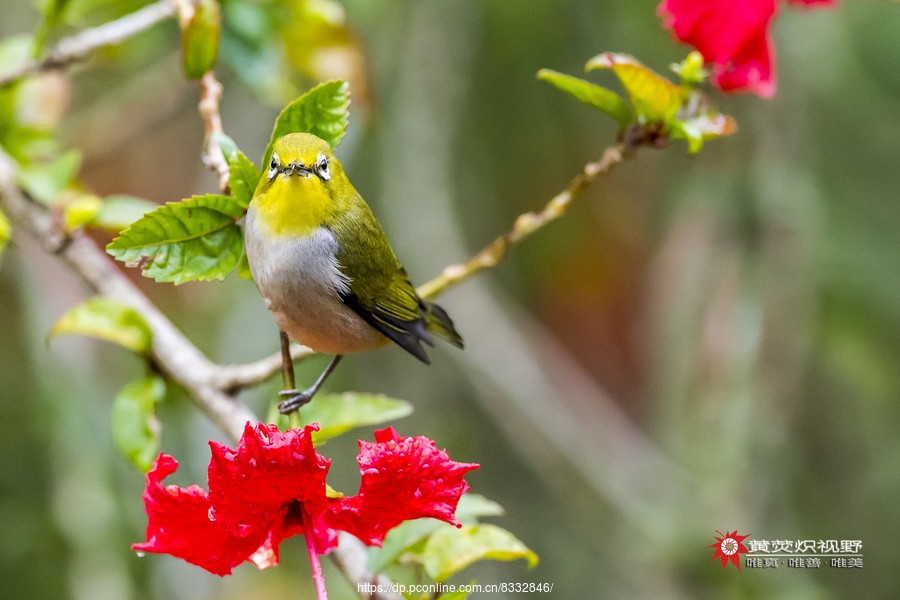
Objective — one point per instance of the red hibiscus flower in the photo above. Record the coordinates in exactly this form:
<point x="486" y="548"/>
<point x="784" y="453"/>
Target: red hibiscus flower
<point x="733" y="36"/>
<point x="272" y="486"/>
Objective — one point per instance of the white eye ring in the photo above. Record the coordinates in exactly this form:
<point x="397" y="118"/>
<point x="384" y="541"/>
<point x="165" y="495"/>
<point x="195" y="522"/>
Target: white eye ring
<point x="322" y="168"/>
<point x="273" y="167"/>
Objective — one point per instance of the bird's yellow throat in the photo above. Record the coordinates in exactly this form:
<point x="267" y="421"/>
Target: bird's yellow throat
<point x="293" y="206"/>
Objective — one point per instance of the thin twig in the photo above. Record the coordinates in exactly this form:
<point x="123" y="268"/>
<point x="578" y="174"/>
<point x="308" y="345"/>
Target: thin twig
<point x="527" y="224"/>
<point x="210" y="95"/>
<point x="77" y="47"/>
<point x="233" y="378"/>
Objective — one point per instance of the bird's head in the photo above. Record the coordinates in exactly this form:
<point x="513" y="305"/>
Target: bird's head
<point x="302" y="186"/>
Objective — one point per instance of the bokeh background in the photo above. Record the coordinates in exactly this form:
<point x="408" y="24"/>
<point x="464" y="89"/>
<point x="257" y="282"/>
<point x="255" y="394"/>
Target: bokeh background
<point x="704" y="343"/>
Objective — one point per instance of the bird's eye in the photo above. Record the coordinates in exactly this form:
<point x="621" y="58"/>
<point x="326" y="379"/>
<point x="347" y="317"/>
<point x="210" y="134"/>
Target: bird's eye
<point x="273" y="167"/>
<point x="322" y="168"/>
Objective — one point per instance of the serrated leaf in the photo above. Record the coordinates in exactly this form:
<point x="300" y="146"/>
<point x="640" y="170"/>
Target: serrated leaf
<point x="450" y="550"/>
<point x="200" y="39"/>
<point x="322" y="111"/>
<point x="591" y="94"/>
<point x="107" y="319"/>
<point x="242" y="173"/>
<point x="654" y="98"/>
<point x="135" y="428"/>
<point x="118" y="211"/>
<point x="338" y="413"/>
<point x="195" y="239"/>
<point x="5" y="232"/>
<point x="45" y="182"/>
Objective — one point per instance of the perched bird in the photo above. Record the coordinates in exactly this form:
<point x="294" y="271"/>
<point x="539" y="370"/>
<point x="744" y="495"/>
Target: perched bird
<point x="325" y="267"/>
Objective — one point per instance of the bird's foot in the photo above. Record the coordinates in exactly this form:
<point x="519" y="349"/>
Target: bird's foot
<point x="293" y="400"/>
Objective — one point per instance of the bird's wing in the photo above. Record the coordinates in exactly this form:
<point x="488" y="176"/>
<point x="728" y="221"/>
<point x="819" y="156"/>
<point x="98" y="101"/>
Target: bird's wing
<point x="380" y="291"/>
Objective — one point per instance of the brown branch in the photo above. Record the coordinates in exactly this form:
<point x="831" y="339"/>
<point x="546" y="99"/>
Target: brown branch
<point x="527" y="224"/>
<point x="210" y="95"/>
<point x="81" y="45"/>
<point x="231" y="378"/>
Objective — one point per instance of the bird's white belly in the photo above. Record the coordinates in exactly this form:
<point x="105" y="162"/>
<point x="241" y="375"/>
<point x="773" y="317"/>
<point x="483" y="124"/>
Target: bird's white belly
<point x="301" y="282"/>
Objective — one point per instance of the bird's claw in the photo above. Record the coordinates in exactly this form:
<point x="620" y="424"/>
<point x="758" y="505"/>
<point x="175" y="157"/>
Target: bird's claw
<point x="293" y="400"/>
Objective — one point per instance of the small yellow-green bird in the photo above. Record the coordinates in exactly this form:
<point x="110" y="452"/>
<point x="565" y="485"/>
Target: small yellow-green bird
<point x="325" y="267"/>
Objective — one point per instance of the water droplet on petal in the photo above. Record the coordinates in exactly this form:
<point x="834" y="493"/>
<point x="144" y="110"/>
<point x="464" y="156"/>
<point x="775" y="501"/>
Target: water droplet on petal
<point x="141" y="554"/>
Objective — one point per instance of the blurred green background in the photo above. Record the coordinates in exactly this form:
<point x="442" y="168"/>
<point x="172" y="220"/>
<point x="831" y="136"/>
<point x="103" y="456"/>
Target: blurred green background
<point x="705" y="343"/>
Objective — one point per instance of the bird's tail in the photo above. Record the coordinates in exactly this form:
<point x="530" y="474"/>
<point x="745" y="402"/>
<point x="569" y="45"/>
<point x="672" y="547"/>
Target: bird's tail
<point x="439" y="323"/>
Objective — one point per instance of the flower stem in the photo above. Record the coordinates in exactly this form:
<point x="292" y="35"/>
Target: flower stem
<point x="314" y="564"/>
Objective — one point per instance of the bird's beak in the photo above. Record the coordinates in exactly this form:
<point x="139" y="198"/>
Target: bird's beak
<point x="299" y="169"/>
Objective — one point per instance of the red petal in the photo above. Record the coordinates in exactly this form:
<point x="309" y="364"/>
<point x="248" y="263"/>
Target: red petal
<point x="733" y="36"/>
<point x="266" y="480"/>
<point x="179" y="524"/>
<point x="402" y="479"/>
<point x="811" y="3"/>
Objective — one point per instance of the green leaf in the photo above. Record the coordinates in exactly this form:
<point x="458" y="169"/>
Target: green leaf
<point x="703" y="127"/>
<point x="338" y="413"/>
<point x="322" y="111"/>
<point x="195" y="239"/>
<point x="109" y="320"/>
<point x="200" y="39"/>
<point x="407" y="539"/>
<point x="654" y="98"/>
<point x="135" y="428"/>
<point x="242" y="173"/>
<point x="691" y="69"/>
<point x="472" y="507"/>
<point x="54" y="12"/>
<point x="593" y="95"/>
<point x="404" y="540"/>
<point x="5" y="232"/>
<point x="81" y="210"/>
<point x="457" y="595"/>
<point x="243" y="268"/>
<point x="118" y="211"/>
<point x="450" y="550"/>
<point x="403" y="544"/>
<point x="45" y="182"/>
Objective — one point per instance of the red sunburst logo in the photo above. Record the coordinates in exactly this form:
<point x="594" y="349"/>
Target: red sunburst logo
<point x="729" y="547"/>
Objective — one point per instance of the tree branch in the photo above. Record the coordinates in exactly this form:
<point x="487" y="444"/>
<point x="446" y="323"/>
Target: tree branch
<point x="210" y="95"/>
<point x="231" y="378"/>
<point x="72" y="49"/>
<point x="176" y="356"/>
<point x="208" y="385"/>
<point x="528" y="223"/>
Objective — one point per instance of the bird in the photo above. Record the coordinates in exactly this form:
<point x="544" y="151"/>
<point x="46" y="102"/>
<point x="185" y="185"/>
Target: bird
<point x="325" y="267"/>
